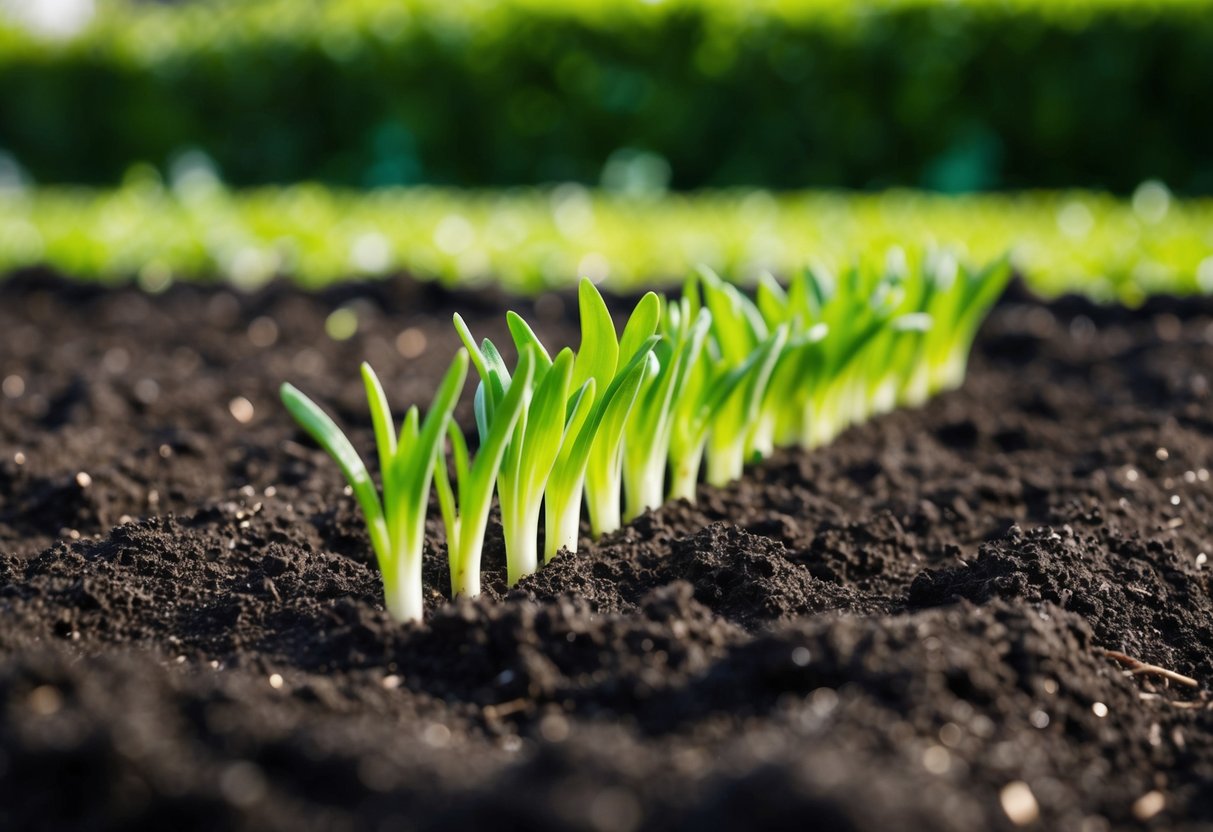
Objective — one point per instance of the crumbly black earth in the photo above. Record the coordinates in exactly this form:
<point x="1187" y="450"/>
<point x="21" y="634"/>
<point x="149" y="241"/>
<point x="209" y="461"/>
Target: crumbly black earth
<point x="904" y="630"/>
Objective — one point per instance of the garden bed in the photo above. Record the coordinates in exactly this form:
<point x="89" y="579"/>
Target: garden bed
<point x="903" y="630"/>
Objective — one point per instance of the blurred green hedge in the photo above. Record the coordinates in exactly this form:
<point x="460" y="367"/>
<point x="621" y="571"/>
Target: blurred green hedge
<point x="962" y="95"/>
<point x="532" y="239"/>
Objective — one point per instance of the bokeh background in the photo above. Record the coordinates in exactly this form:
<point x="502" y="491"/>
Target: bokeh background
<point x="530" y="141"/>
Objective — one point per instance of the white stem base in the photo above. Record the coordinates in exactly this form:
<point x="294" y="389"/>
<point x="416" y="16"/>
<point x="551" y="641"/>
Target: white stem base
<point x="403" y="599"/>
<point x="561" y="529"/>
<point x="522" y="546"/>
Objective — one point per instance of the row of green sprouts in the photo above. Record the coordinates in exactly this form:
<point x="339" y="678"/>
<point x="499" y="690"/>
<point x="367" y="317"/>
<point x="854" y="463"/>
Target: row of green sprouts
<point x="698" y="385"/>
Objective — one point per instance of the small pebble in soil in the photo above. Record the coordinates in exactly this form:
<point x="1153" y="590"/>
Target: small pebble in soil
<point x="1019" y="803"/>
<point x="1039" y="719"/>
<point x="936" y="759"/>
<point x="262" y="332"/>
<point x="241" y="410"/>
<point x="19" y="458"/>
<point x="147" y="391"/>
<point x="951" y="735"/>
<point x="116" y="360"/>
<point x="411" y="342"/>
<point x="13" y="386"/>
<point x="1163" y="454"/>
<point x="1131" y="474"/>
<point x="436" y="735"/>
<point x="1099" y="709"/>
<point x="1201" y="560"/>
<point x="83" y="479"/>
<point x="276" y="681"/>
<point x="45" y="700"/>
<point x="391" y="681"/>
<point x="554" y="728"/>
<point x="1149" y="805"/>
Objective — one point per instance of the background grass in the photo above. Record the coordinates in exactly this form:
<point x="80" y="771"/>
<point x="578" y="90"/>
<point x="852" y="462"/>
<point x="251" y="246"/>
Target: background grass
<point x="530" y="239"/>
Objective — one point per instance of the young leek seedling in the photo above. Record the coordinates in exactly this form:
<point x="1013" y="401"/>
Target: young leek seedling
<point x="465" y="513"/>
<point x="961" y="307"/>
<point x="715" y="398"/>
<point x="605" y="415"/>
<point x="742" y="339"/>
<point x="607" y="360"/>
<point x="646" y="448"/>
<point x="397" y="523"/>
<point x="535" y="442"/>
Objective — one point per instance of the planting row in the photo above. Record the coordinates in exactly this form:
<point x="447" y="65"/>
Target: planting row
<point x="712" y="379"/>
<point x="529" y="240"/>
<point x="956" y="96"/>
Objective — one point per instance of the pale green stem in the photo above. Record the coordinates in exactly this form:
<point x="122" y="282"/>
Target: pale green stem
<point x="685" y="475"/>
<point x="403" y="598"/>
<point x="645" y="491"/>
<point x="762" y="438"/>
<point x="604" y="510"/>
<point x="726" y="461"/>
<point x="562" y="525"/>
<point x="521" y="544"/>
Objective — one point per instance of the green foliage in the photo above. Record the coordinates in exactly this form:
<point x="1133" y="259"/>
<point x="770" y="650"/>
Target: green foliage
<point x="397" y="523"/>
<point x="535" y="239"/>
<point x="977" y="94"/>
<point x="713" y="372"/>
<point x="465" y="511"/>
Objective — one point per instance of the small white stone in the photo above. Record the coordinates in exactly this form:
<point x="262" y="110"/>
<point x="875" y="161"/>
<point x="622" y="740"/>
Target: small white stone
<point x="241" y="409"/>
<point x="1149" y="805"/>
<point x="936" y="759"/>
<point x="263" y="332"/>
<point x="411" y="342"/>
<point x="1019" y="803"/>
<point x="436" y="735"/>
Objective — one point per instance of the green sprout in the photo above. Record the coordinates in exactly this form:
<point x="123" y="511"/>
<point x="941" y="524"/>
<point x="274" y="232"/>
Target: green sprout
<point x="652" y="424"/>
<point x="396" y="523"/>
<point x="628" y="361"/>
<point x="627" y="422"/>
<point x="500" y="405"/>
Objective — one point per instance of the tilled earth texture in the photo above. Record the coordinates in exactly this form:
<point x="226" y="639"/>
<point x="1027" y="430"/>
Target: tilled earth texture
<point x="983" y="614"/>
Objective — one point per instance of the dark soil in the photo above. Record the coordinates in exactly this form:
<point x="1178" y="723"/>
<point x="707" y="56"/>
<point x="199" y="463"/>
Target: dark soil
<point x="904" y="630"/>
